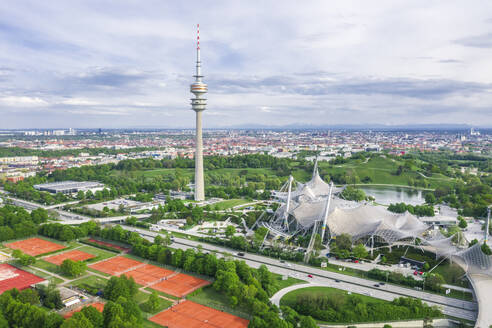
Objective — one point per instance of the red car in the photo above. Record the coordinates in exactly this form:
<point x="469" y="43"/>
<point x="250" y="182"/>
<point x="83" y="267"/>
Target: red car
<point x="310" y="275"/>
<point x="415" y="273"/>
<point x="356" y="261"/>
<point x="421" y="273"/>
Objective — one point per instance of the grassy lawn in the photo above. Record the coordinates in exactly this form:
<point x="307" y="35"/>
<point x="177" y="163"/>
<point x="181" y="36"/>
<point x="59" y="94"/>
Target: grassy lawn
<point x="230" y="203"/>
<point x="100" y="254"/>
<point x="163" y="304"/>
<point x="286" y="283"/>
<point x="42" y="264"/>
<point x="341" y="297"/>
<point x="150" y="324"/>
<point x="92" y="281"/>
<point x="291" y="297"/>
<point x="162" y="293"/>
<point x="451" y="274"/>
<point x="41" y="274"/>
<point x="208" y="296"/>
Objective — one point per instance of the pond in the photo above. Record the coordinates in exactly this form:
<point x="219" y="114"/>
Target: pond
<point x="392" y="194"/>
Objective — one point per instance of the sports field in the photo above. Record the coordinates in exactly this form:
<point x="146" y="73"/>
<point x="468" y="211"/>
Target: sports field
<point x="74" y="255"/>
<point x="180" y="285"/>
<point x="11" y="277"/>
<point x="148" y="274"/>
<point x="97" y="306"/>
<point x="35" y="246"/>
<point x="188" y="314"/>
<point x="117" y="265"/>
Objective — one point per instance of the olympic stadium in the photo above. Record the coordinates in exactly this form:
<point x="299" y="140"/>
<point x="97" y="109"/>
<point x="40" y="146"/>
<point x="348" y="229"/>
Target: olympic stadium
<point x="317" y="207"/>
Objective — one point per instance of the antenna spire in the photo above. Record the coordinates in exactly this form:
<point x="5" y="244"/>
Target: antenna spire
<point x="198" y="36"/>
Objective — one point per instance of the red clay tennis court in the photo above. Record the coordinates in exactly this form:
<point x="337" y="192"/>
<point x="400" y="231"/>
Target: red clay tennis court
<point x="35" y="246"/>
<point x="116" y="265"/>
<point x="97" y="306"/>
<point x="180" y="285"/>
<point x="148" y="274"/>
<point x="74" y="255"/>
<point x="189" y="314"/>
<point x="11" y="277"/>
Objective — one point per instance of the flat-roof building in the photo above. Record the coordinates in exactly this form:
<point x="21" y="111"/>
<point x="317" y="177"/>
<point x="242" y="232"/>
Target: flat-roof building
<point x="69" y="187"/>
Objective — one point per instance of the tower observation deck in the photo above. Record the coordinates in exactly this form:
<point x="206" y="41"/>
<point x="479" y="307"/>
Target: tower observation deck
<point x="198" y="104"/>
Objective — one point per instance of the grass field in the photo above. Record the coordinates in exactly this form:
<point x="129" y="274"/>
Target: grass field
<point x="92" y="281"/>
<point x="42" y="264"/>
<point x="230" y="203"/>
<point x="162" y="293"/>
<point x="100" y="254"/>
<point x="382" y="171"/>
<point x="281" y="284"/>
<point x="208" y="296"/>
<point x="291" y="297"/>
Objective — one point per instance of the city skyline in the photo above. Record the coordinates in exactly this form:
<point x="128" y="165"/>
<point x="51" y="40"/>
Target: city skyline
<point x="125" y="65"/>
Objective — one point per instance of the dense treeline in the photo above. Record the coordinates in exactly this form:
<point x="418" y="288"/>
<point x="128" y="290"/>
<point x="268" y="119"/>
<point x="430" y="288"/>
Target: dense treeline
<point x="22" y="310"/>
<point x="419" y="210"/>
<point x="354" y="308"/>
<point x="17" y="151"/>
<point x="245" y="287"/>
<point x="16" y="222"/>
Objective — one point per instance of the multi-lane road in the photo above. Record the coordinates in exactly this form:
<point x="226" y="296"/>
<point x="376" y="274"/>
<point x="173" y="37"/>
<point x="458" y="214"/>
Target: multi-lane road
<point x="450" y="306"/>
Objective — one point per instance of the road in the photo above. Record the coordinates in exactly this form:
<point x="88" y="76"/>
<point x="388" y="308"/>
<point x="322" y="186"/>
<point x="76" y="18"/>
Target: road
<point x="449" y="306"/>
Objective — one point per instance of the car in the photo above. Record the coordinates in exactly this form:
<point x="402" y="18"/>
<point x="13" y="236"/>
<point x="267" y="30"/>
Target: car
<point x="356" y="261"/>
<point x="240" y="254"/>
<point x="382" y="283"/>
<point x="376" y="285"/>
<point x="310" y="275"/>
<point x="336" y="280"/>
<point x="415" y="273"/>
<point x="421" y="273"/>
<point x="282" y="261"/>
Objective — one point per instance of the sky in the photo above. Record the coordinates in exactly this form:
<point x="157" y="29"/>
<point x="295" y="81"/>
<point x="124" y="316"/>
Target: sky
<point x="114" y="64"/>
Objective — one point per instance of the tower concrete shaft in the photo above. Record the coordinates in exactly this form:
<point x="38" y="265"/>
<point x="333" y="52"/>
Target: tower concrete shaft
<point x="198" y="104"/>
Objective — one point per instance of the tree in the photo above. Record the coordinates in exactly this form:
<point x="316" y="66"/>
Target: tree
<point x="307" y="322"/>
<point x="229" y="231"/>
<point x="486" y="249"/>
<point x="344" y="241"/>
<point x="78" y="320"/>
<point x="23" y="259"/>
<point x="434" y="281"/>
<point x="430" y="198"/>
<point x="94" y="316"/>
<point x="29" y="296"/>
<point x="360" y="251"/>
<point x="50" y="296"/>
<point x="73" y="268"/>
<point x="152" y="304"/>
<point x="462" y="223"/>
<point x="120" y="286"/>
<point x="80" y="195"/>
<point x="352" y="193"/>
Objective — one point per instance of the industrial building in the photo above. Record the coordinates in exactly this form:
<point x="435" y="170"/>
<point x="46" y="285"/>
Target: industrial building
<point x="69" y="187"/>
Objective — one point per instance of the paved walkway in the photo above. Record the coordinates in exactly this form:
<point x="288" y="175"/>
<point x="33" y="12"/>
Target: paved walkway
<point x="482" y="284"/>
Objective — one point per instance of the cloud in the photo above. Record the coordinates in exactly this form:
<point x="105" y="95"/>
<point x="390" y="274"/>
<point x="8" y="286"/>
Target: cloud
<point x="477" y="41"/>
<point x="22" y="101"/>
<point x="120" y="64"/>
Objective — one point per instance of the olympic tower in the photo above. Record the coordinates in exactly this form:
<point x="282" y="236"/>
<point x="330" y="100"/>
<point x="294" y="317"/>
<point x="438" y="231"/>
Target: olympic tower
<point x="199" y="89"/>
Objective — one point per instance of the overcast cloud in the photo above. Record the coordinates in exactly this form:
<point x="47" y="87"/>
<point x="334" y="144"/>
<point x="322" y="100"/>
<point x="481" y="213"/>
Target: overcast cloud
<point x="129" y="63"/>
